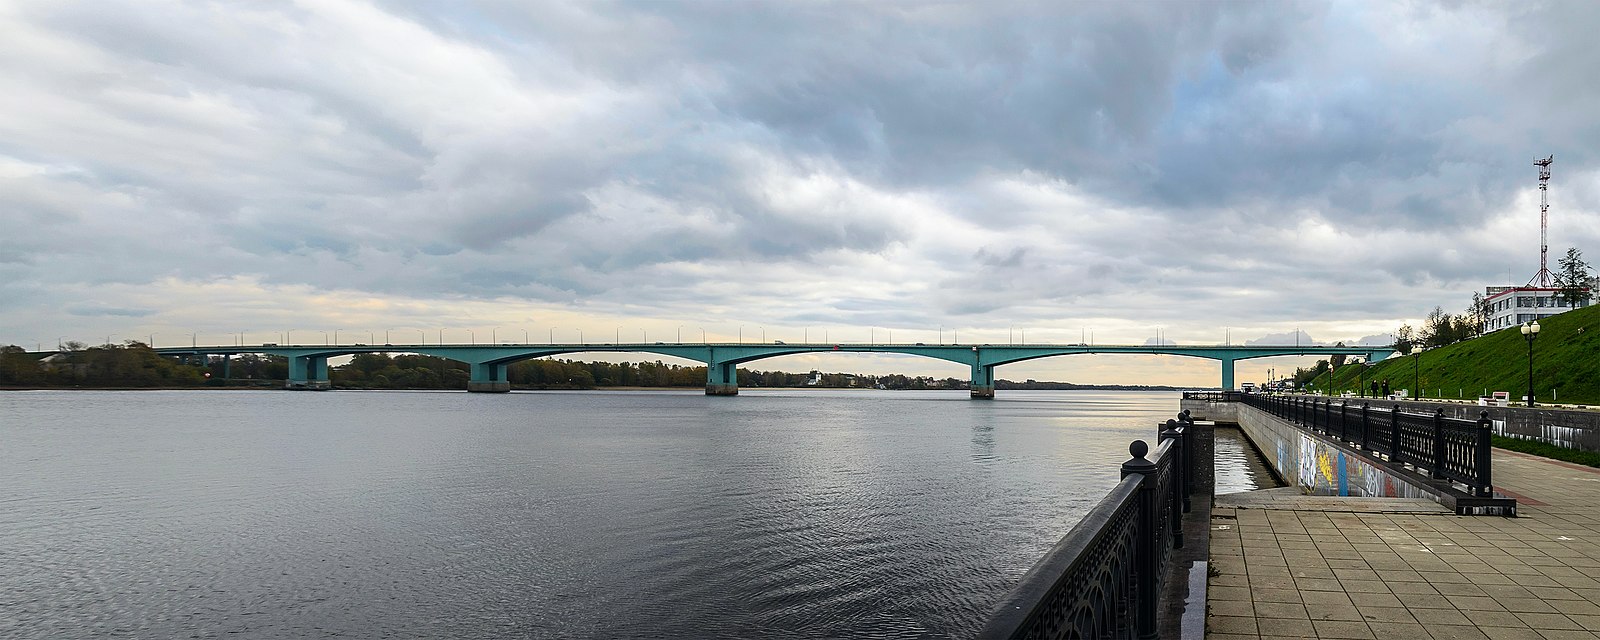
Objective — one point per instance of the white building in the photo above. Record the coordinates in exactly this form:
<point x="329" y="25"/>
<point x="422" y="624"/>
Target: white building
<point x="1512" y="306"/>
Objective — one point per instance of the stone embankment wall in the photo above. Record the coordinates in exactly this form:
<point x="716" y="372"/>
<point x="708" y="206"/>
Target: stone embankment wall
<point x="1314" y="465"/>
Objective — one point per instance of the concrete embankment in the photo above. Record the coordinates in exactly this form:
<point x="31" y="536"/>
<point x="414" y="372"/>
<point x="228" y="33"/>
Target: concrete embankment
<point x="1319" y="465"/>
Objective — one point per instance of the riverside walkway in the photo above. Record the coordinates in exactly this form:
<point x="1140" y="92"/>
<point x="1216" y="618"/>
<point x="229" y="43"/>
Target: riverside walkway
<point x="1288" y="566"/>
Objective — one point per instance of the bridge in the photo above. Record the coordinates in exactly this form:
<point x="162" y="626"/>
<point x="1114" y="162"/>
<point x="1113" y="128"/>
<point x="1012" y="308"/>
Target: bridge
<point x="308" y="364"/>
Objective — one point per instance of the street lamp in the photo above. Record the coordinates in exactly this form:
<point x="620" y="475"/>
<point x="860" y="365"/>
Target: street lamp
<point x="1530" y="331"/>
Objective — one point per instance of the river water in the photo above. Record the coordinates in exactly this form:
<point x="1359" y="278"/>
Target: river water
<point x="803" y="513"/>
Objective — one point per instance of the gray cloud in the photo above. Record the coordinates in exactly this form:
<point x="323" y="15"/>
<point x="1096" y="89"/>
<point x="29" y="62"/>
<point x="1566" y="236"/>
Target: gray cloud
<point x="1194" y="166"/>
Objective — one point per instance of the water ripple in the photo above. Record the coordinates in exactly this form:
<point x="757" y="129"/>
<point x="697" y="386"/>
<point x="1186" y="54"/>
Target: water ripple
<point x="550" y="515"/>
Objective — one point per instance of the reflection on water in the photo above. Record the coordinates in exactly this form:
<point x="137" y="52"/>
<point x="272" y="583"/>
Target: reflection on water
<point x="809" y="513"/>
<point x="1239" y="465"/>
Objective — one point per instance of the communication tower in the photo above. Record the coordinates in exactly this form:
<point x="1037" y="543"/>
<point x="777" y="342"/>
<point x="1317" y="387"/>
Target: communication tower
<point x="1542" y="279"/>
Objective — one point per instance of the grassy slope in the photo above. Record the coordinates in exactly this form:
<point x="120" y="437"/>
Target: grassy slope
<point x="1563" y="359"/>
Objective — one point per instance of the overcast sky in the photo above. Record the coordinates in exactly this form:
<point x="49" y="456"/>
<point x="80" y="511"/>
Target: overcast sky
<point x="1211" y="171"/>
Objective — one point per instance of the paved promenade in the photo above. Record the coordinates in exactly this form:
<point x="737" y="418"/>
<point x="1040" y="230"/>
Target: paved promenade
<point x="1285" y="567"/>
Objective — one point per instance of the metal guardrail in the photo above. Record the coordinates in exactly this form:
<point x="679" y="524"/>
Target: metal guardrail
<point x="1449" y="448"/>
<point x="1104" y="578"/>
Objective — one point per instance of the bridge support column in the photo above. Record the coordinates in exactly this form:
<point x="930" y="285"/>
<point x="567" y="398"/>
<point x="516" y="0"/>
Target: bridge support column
<point x="226" y="369"/>
<point x="308" y="373"/>
<point x="488" y="377"/>
<point x="722" y="379"/>
<point x="983" y="381"/>
<point x="1227" y="374"/>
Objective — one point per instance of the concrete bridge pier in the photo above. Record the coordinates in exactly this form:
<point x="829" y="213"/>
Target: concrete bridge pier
<point x="488" y="377"/>
<point x="1227" y="374"/>
<point x="983" y="381"/>
<point x="722" y="379"/>
<point x="308" y="373"/>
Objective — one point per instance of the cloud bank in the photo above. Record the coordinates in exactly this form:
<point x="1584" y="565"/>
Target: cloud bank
<point x="1205" y="169"/>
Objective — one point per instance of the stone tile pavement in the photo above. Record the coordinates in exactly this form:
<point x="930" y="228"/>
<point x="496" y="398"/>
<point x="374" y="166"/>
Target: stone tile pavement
<point x="1316" y="569"/>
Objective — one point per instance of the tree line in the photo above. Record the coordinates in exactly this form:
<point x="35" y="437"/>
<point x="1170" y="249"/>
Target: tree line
<point x="134" y="364"/>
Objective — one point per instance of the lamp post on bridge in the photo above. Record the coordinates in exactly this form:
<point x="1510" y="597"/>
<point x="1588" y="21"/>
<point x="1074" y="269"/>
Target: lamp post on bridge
<point x="473" y="336"/>
<point x="680" y="334"/>
<point x="703" y="336"/>
<point x="525" y="337"/>
<point x="324" y="337"/>
<point x="1530" y="331"/>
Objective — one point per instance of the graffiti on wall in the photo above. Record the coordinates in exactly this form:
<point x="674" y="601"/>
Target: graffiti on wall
<point x="1320" y="468"/>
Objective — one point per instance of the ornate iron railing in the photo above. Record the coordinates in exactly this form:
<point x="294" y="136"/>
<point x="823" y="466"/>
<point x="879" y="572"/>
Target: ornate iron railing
<point x="1448" y="448"/>
<point x="1104" y="578"/>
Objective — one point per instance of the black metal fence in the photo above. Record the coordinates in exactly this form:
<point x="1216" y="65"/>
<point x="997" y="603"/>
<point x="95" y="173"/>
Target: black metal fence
<point x="1104" y="579"/>
<point x="1448" y="448"/>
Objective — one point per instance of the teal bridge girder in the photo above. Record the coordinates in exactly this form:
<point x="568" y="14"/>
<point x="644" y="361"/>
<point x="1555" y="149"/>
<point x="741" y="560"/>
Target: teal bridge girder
<point x="308" y="364"/>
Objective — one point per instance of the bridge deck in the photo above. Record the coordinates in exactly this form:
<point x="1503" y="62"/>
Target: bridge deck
<point x="1286" y="568"/>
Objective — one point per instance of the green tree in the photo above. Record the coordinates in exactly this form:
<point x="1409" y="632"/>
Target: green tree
<point x="1478" y="314"/>
<point x="1405" y="340"/>
<point x="1572" y="278"/>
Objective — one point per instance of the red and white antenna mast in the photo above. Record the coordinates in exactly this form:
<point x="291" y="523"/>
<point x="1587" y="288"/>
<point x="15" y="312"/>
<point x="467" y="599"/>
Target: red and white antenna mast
<point x="1542" y="279"/>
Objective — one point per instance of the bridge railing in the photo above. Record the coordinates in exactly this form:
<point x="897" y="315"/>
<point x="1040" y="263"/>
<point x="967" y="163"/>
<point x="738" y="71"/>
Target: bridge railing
<point x="1448" y="448"/>
<point x="1104" y="578"/>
